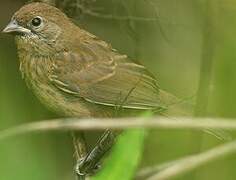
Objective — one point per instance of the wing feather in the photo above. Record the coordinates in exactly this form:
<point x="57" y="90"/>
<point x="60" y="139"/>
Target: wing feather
<point x="100" y="75"/>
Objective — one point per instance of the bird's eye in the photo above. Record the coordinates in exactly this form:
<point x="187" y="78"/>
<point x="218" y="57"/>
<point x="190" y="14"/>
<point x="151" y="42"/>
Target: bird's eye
<point x="36" y="22"/>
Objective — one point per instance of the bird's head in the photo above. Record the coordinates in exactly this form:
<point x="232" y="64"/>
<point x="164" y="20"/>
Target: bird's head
<point x="39" y="25"/>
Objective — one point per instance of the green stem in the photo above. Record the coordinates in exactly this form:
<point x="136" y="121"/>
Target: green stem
<point x="208" y="47"/>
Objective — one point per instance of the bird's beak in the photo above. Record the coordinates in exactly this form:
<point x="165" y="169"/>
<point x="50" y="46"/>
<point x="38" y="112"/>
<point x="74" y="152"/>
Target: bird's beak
<point x="14" y="27"/>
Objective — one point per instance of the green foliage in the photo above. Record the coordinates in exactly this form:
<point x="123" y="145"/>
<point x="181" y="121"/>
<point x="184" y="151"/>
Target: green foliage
<point x="125" y="157"/>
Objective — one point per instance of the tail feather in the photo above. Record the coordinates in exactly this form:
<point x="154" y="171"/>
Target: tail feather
<point x="174" y="105"/>
<point x="177" y="107"/>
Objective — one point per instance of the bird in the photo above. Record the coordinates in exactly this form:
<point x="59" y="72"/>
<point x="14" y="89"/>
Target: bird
<point x="73" y="72"/>
<point x="76" y="74"/>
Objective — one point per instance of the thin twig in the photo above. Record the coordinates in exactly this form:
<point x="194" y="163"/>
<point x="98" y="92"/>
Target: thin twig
<point x="113" y="17"/>
<point x="192" y="162"/>
<point x="150" y="171"/>
<point x="120" y="123"/>
<point x="93" y="13"/>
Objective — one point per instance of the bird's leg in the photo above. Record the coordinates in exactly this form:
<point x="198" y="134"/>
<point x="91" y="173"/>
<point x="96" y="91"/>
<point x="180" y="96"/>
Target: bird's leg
<point x="90" y="163"/>
<point x="80" y="147"/>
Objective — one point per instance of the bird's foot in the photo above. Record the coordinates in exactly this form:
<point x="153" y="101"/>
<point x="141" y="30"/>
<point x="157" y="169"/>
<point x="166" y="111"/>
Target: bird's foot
<point x="90" y="164"/>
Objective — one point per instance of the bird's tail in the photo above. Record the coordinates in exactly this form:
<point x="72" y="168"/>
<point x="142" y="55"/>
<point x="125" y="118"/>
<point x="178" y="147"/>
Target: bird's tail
<point x="175" y="106"/>
<point x="183" y="108"/>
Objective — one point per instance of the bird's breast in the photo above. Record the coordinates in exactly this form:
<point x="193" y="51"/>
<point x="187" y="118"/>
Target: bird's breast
<point x="36" y="71"/>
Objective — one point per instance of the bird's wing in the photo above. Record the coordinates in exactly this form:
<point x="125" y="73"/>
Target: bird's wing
<point x="100" y="75"/>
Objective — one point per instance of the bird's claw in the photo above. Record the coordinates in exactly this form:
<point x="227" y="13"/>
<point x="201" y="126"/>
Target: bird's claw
<point x="82" y="169"/>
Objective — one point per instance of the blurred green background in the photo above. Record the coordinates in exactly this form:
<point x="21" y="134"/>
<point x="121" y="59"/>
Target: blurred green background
<point x="178" y="41"/>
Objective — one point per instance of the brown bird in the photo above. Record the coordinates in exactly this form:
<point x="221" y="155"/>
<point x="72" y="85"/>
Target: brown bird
<point x="75" y="73"/>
